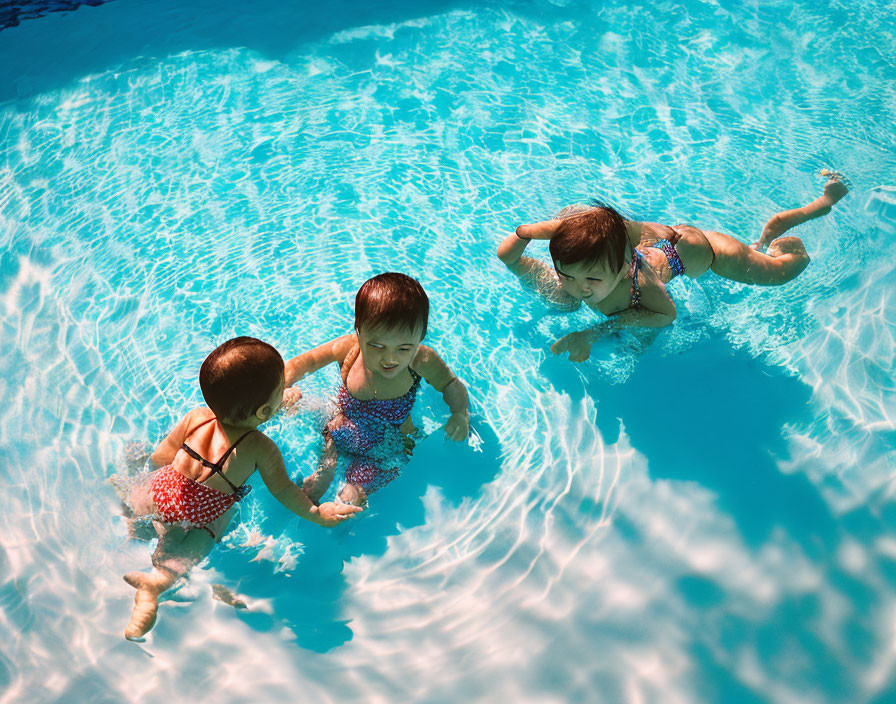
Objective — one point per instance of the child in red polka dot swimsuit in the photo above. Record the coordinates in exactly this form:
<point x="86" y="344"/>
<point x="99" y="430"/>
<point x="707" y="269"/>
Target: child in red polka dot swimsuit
<point x="190" y="498"/>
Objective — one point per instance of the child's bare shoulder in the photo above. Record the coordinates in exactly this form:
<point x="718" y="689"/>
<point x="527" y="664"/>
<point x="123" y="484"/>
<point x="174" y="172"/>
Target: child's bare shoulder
<point x="431" y="367"/>
<point x="341" y="346"/>
<point x="261" y="448"/>
<point x="201" y="413"/>
<point x="196" y="416"/>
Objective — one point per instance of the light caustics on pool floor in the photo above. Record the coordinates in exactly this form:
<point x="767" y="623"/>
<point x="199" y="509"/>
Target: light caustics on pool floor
<point x="729" y="542"/>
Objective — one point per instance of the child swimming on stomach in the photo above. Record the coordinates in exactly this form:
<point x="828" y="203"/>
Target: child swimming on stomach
<point x="381" y="365"/>
<point x="620" y="268"/>
<point x="191" y="498"/>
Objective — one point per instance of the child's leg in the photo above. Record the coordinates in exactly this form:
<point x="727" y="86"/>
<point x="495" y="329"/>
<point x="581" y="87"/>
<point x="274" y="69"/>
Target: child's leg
<point x="353" y="494"/>
<point x="316" y="485"/>
<point x="178" y="551"/>
<point x="785" y="260"/>
<point x="779" y="223"/>
<point x="786" y="257"/>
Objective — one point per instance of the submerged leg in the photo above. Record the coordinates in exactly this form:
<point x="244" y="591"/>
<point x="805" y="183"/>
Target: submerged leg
<point x="146" y="602"/>
<point x="353" y="494"/>
<point x="779" y="223"/>
<point x="786" y="257"/>
<point x="316" y="485"/>
<point x="178" y="551"/>
<point x="785" y="260"/>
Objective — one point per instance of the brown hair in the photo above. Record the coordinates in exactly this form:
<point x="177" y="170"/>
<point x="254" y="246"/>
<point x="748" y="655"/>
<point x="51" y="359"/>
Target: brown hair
<point x="595" y="236"/>
<point x="394" y="301"/>
<point x="239" y="377"/>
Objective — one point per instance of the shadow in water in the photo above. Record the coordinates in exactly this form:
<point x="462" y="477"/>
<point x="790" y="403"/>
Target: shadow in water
<point x="309" y="601"/>
<point x="715" y="416"/>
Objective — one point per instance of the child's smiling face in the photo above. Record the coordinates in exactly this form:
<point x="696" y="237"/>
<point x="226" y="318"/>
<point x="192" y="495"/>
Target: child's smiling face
<point x="588" y="282"/>
<point x="388" y="351"/>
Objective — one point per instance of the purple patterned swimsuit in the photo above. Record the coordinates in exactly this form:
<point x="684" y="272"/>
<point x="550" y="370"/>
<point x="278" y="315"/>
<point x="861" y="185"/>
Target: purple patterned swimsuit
<point x="366" y="432"/>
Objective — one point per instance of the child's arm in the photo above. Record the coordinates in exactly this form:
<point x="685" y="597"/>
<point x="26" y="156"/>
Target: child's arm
<point x="167" y="449"/>
<point x="656" y="311"/>
<point x="312" y="360"/>
<point x="273" y="473"/>
<point x="532" y="273"/>
<point x="510" y="251"/>
<point x="431" y="367"/>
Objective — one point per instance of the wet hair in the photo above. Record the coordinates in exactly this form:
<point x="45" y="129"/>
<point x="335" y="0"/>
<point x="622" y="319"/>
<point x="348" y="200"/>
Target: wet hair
<point x="595" y="236"/>
<point x="392" y="300"/>
<point x="239" y="377"/>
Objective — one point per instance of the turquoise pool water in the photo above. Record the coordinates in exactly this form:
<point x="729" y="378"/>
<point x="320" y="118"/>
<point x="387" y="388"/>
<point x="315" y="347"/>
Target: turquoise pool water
<point x="707" y="519"/>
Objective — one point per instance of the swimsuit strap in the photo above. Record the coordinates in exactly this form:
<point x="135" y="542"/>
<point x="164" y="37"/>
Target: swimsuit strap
<point x="636" y="287"/>
<point x="216" y="467"/>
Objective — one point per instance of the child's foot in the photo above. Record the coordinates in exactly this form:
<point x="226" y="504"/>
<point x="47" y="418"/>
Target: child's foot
<point x="834" y="190"/>
<point x="146" y="602"/>
<point x="222" y="593"/>
<point x="143" y="615"/>
<point x="836" y="187"/>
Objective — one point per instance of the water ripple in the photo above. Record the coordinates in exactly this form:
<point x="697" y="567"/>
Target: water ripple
<point x="150" y="210"/>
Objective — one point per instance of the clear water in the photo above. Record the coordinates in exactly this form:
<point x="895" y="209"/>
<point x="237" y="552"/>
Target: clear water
<point x="707" y="519"/>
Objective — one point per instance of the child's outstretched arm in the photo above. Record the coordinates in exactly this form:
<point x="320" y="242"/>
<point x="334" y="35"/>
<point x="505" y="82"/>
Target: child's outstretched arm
<point x="312" y="360"/>
<point x="656" y="311"/>
<point x="273" y="473"/>
<point x="532" y="273"/>
<point x="511" y="249"/>
<point x="454" y="393"/>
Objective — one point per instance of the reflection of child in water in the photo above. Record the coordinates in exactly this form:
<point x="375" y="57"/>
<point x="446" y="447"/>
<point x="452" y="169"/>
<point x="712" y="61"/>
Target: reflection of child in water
<point x="381" y="365"/>
<point x="620" y="268"/>
<point x="191" y="498"/>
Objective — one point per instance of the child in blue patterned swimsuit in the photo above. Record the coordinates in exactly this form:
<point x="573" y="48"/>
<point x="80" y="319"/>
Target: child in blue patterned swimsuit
<point x="381" y="365"/>
<point x="621" y="268"/>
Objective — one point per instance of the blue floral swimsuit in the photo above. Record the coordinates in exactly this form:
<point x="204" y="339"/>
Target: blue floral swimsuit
<point x="675" y="264"/>
<point x="370" y="431"/>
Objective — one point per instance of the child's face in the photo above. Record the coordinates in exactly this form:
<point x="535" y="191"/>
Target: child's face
<point x="388" y="351"/>
<point x="588" y="282"/>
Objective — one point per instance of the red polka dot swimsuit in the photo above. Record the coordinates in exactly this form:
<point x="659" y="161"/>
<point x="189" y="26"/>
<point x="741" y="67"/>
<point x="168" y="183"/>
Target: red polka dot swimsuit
<point x="180" y="499"/>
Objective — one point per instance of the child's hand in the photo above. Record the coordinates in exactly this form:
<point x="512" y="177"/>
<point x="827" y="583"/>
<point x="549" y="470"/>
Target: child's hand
<point x="331" y="514"/>
<point x="458" y="426"/>
<point x="291" y="397"/>
<point x="578" y="344"/>
<point x="538" y="230"/>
